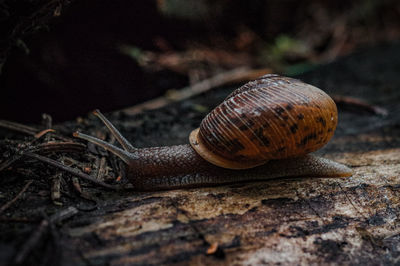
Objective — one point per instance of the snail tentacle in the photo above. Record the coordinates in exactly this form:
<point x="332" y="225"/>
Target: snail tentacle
<point x="120" y="138"/>
<point x="122" y="154"/>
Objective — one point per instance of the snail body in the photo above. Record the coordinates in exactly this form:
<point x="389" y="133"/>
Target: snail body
<point x="263" y="130"/>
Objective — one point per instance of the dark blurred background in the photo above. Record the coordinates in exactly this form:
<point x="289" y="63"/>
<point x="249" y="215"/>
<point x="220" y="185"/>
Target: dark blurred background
<point x="66" y="58"/>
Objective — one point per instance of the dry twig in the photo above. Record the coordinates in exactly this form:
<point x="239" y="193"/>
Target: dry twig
<point x="101" y="168"/>
<point x="68" y="169"/>
<point x="8" y="204"/>
<point x="44" y="148"/>
<point x="43" y="132"/>
<point x="37" y="234"/>
<point x="55" y="189"/>
<point x="30" y="130"/>
<point x="47" y="122"/>
<point x="18" y="127"/>
<point x="360" y="105"/>
<point x="232" y="76"/>
<point x="76" y="184"/>
<point x="59" y="147"/>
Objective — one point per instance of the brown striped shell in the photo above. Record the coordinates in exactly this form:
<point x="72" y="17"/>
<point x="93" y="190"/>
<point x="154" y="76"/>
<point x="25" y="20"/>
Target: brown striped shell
<point x="272" y="117"/>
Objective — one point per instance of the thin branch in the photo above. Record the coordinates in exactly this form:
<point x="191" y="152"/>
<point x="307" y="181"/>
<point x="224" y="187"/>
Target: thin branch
<point x="30" y="130"/>
<point x="60" y="147"/>
<point x="43" y="132"/>
<point x="44" y="148"/>
<point x="8" y="204"/>
<point x="359" y="105"/>
<point x="101" y="168"/>
<point x="30" y="244"/>
<point x="9" y="161"/>
<point x="55" y="188"/>
<point x="18" y="127"/>
<point x="236" y="75"/>
<point x="68" y="169"/>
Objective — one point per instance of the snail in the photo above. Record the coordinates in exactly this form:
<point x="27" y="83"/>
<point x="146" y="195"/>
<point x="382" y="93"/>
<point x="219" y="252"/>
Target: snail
<point x="264" y="129"/>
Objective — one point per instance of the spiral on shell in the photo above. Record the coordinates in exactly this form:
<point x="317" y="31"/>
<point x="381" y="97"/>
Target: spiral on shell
<point x="272" y="117"/>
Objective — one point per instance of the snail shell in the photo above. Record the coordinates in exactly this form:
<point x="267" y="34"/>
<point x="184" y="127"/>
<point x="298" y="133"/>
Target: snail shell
<point x="273" y="117"/>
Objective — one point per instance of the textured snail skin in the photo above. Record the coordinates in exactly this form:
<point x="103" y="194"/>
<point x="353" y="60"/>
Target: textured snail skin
<point x="271" y="125"/>
<point x="163" y="168"/>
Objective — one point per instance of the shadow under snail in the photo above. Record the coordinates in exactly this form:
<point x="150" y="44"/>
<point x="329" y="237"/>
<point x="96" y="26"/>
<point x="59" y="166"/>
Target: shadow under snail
<point x="264" y="129"/>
